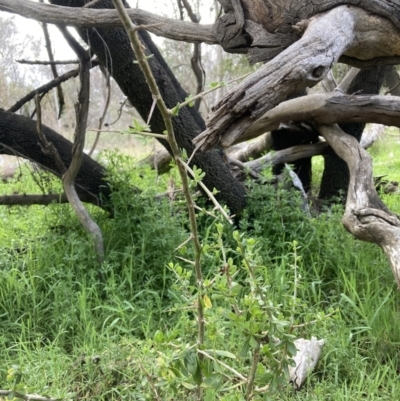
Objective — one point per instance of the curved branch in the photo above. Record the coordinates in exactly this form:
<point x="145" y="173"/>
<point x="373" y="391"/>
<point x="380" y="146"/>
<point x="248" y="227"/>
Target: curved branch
<point x="18" y="137"/>
<point x="105" y="18"/>
<point x="366" y="216"/>
<point x="330" y="108"/>
<point x="46" y="88"/>
<point x="303" y="64"/>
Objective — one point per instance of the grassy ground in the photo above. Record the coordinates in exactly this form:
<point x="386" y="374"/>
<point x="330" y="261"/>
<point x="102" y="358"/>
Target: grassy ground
<point x="126" y="330"/>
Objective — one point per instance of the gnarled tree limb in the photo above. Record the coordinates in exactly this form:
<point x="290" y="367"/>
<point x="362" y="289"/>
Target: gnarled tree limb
<point x="366" y="216"/>
<point x="330" y="108"/>
<point x="303" y="64"/>
<point x="105" y="19"/>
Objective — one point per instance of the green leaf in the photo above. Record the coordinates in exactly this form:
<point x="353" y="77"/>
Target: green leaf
<point x="197" y="376"/>
<point x="175" y="110"/>
<point x="291" y="349"/>
<point x="158" y="337"/>
<point x="207" y="302"/>
<point x="191" y="362"/>
<point x="214" y="381"/>
<point x="220" y="352"/>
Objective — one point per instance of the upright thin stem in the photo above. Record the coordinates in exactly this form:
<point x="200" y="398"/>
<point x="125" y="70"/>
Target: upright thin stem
<point x="142" y="60"/>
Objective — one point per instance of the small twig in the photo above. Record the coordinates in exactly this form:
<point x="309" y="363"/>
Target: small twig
<point x="27" y="397"/>
<point x="392" y="88"/>
<point x="149" y="378"/>
<point x="184" y="243"/>
<point x="253" y="371"/>
<point x="60" y="94"/>
<point x="46" y="88"/>
<point x="221" y="85"/>
<point x="47" y="147"/>
<point x="142" y="60"/>
<point x="208" y="192"/>
<point x="206" y="211"/>
<point x="235" y="372"/>
<point x="81" y="111"/>
<point x="119" y="113"/>
<point x="190" y="262"/>
<point x="142" y="133"/>
<point x="195" y="61"/>
<point x="44" y="62"/>
<point x="348" y="79"/>
<point x="91" y="3"/>
<point x="106" y="105"/>
<point x="153" y="105"/>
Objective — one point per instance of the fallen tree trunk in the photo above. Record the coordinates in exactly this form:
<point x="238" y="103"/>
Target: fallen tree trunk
<point x="19" y="137"/>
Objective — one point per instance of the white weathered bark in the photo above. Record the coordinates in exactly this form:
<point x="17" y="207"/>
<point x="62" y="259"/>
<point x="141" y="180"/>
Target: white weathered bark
<point x="308" y="354"/>
<point x="330" y="108"/>
<point x="366" y="216"/>
<point x="344" y="30"/>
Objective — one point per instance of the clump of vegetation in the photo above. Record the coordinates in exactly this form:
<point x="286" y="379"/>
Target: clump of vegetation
<point x="128" y="330"/>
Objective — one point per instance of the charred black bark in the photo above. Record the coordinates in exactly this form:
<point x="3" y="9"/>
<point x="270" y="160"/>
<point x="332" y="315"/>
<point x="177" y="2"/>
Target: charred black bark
<point x="18" y="137"/>
<point x="335" y="178"/>
<point x="114" y="51"/>
<point x="285" y="138"/>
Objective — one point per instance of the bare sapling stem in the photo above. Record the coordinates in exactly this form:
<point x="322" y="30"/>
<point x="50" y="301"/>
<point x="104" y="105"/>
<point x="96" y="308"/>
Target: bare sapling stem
<point x="166" y="113"/>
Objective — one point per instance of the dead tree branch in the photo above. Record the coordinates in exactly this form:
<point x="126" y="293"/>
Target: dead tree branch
<point x="106" y="19"/>
<point x="107" y="98"/>
<point x="303" y="64"/>
<point x="81" y="110"/>
<point x="46" y="88"/>
<point x="60" y="94"/>
<point x="366" y="216"/>
<point x="195" y="60"/>
<point x="44" y="62"/>
<point x="331" y="108"/>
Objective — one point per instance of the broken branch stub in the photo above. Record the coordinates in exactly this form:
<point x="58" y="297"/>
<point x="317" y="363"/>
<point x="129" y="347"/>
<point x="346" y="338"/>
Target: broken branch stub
<point x="303" y="64"/>
<point x="366" y="216"/>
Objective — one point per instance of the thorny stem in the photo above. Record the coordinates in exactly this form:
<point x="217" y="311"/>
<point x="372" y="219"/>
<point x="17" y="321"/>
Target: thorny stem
<point x="131" y="30"/>
<point x="208" y="192"/>
<point x="253" y="371"/>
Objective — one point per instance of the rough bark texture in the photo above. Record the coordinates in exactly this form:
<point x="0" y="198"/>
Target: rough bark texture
<point x="114" y="51"/>
<point x="105" y="19"/>
<point x="18" y="137"/>
<point x="304" y="64"/>
<point x="286" y="137"/>
<point x="265" y="28"/>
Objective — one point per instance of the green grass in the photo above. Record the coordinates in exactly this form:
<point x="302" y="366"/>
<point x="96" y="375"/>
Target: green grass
<point x="77" y="331"/>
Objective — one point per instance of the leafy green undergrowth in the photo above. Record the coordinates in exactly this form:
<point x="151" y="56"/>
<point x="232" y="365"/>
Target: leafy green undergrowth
<point x="127" y="330"/>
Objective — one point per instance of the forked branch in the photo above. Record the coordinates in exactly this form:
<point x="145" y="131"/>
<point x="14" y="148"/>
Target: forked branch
<point x="366" y="216"/>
